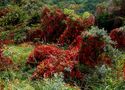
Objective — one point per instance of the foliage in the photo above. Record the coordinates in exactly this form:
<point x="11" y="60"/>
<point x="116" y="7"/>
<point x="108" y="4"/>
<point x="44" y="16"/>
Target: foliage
<point x="31" y="6"/>
<point x="14" y="80"/>
<point x="59" y="25"/>
<point x="86" y="15"/>
<point x="18" y="78"/>
<point x="109" y="21"/>
<point x="92" y="47"/>
<point x="75" y="26"/>
<point x="20" y="35"/>
<point x="18" y="53"/>
<point x="53" y="24"/>
<point x="35" y="18"/>
<point x="79" y="62"/>
<point x="34" y="35"/>
<point x="5" y="62"/>
<point x="3" y="35"/>
<point x="103" y="21"/>
<point x="118" y="35"/>
<point x="15" y="17"/>
<point x="50" y="59"/>
<point x="4" y="11"/>
<point x="80" y="5"/>
<point x="88" y="57"/>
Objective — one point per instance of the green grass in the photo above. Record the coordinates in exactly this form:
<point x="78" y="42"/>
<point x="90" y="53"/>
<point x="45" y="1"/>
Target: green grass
<point x="18" y="53"/>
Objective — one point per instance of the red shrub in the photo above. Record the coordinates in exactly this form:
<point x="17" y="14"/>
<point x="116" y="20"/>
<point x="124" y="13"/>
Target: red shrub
<point x="76" y="74"/>
<point x="58" y="27"/>
<point x="53" y="24"/>
<point x="87" y="49"/>
<point x="42" y="52"/>
<point x="76" y="44"/>
<point x="62" y="28"/>
<point x="74" y="28"/>
<point x="118" y="35"/>
<point x="90" y="50"/>
<point x="50" y="60"/>
<point x="92" y="47"/>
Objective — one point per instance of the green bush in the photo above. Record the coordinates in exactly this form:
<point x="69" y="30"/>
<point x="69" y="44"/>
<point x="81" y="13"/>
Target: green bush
<point x="16" y="16"/>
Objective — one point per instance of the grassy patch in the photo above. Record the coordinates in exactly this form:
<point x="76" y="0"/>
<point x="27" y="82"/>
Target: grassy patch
<point x="18" y="53"/>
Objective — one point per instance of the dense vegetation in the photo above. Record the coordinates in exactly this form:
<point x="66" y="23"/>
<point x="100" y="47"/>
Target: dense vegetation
<point x="62" y="45"/>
